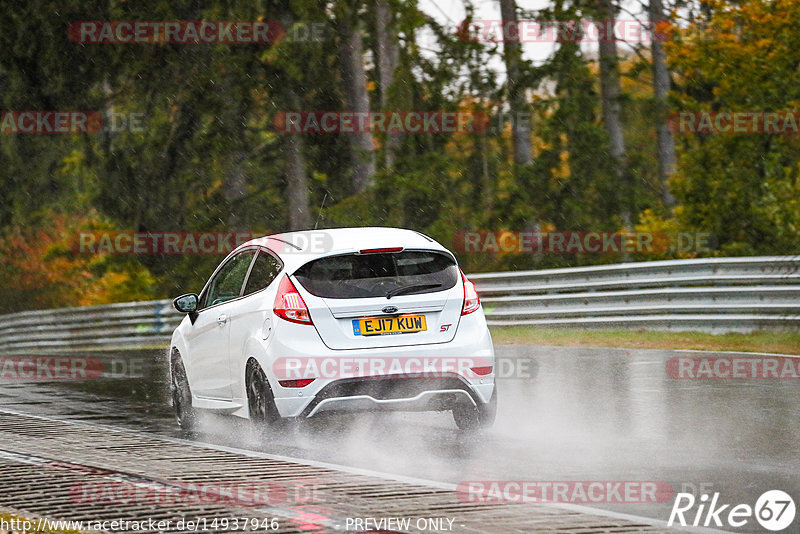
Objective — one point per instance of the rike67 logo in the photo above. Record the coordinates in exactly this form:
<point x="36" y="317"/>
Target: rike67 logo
<point x="774" y="510"/>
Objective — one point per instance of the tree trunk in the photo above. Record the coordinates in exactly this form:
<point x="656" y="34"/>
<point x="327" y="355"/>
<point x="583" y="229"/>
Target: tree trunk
<point x="362" y="149"/>
<point x="612" y="108"/>
<point x="388" y="53"/>
<point x="512" y="55"/>
<point x="235" y="188"/>
<point x="296" y="183"/>
<point x="234" y="178"/>
<point x="297" y="194"/>
<point x="661" y="87"/>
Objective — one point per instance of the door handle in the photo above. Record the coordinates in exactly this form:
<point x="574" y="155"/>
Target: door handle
<point x="222" y="319"/>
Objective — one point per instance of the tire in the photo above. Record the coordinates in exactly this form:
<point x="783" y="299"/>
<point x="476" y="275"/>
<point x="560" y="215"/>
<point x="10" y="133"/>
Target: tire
<point x="185" y="414"/>
<point x="260" y="400"/>
<point x="468" y="417"/>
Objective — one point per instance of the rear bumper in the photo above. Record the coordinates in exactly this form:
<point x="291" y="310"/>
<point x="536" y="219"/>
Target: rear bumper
<point x="389" y="393"/>
<point x="436" y="400"/>
<point x="382" y="392"/>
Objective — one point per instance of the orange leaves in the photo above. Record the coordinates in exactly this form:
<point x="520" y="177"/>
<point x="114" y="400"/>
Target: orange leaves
<point x="40" y="270"/>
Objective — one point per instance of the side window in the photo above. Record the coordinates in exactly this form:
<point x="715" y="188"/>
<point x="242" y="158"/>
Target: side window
<point x="264" y="271"/>
<point x="227" y="283"/>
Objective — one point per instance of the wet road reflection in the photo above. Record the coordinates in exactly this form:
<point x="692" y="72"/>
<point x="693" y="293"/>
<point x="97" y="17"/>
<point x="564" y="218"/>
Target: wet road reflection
<point x="586" y="414"/>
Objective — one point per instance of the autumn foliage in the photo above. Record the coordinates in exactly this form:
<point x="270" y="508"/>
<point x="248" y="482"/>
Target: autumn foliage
<point x="40" y="270"/>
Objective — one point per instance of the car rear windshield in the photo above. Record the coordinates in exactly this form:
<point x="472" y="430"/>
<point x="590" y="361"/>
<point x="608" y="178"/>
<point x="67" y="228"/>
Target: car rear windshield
<point x="378" y="275"/>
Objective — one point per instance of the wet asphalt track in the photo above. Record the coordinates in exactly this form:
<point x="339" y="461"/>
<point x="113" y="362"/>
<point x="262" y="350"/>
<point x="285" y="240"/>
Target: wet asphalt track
<point x="584" y="414"/>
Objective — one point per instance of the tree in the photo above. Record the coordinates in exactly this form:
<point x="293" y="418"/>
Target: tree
<point x="611" y="97"/>
<point x="388" y="51"/>
<point x="661" y="88"/>
<point x="296" y="180"/>
<point x="351" y="47"/>
<point x="742" y="187"/>
<point x="520" y="111"/>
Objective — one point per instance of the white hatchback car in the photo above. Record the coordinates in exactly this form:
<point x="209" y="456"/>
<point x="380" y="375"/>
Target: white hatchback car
<point x="353" y="319"/>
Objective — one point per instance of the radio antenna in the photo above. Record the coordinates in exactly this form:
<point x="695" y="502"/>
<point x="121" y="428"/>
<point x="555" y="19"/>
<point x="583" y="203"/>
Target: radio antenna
<point x="320" y="210"/>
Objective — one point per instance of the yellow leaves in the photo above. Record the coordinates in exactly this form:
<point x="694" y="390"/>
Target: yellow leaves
<point x="118" y="286"/>
<point x="546" y="227"/>
<point x="764" y="44"/>
<point x="43" y="268"/>
<point x="745" y="53"/>
<point x="216" y="185"/>
<point x="725" y="25"/>
<point x="563" y="171"/>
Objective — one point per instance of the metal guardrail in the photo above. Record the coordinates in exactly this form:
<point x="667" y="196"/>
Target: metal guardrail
<point x="717" y="294"/>
<point x="712" y="295"/>
<point x="129" y="325"/>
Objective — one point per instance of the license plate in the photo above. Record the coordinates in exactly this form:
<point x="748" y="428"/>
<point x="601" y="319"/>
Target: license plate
<point x="378" y="326"/>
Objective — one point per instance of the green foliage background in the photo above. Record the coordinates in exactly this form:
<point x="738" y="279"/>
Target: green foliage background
<point x="210" y="108"/>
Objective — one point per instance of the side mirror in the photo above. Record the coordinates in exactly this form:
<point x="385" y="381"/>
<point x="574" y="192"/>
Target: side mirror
<point x="186" y="303"/>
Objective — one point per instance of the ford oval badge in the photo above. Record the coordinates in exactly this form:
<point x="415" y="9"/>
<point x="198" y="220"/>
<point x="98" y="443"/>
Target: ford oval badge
<point x="390" y="309"/>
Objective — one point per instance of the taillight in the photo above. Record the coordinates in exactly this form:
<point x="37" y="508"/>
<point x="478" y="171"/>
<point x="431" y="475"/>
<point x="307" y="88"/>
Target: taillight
<point x="289" y="305"/>
<point x="482" y="371"/>
<point x="471" y="300"/>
